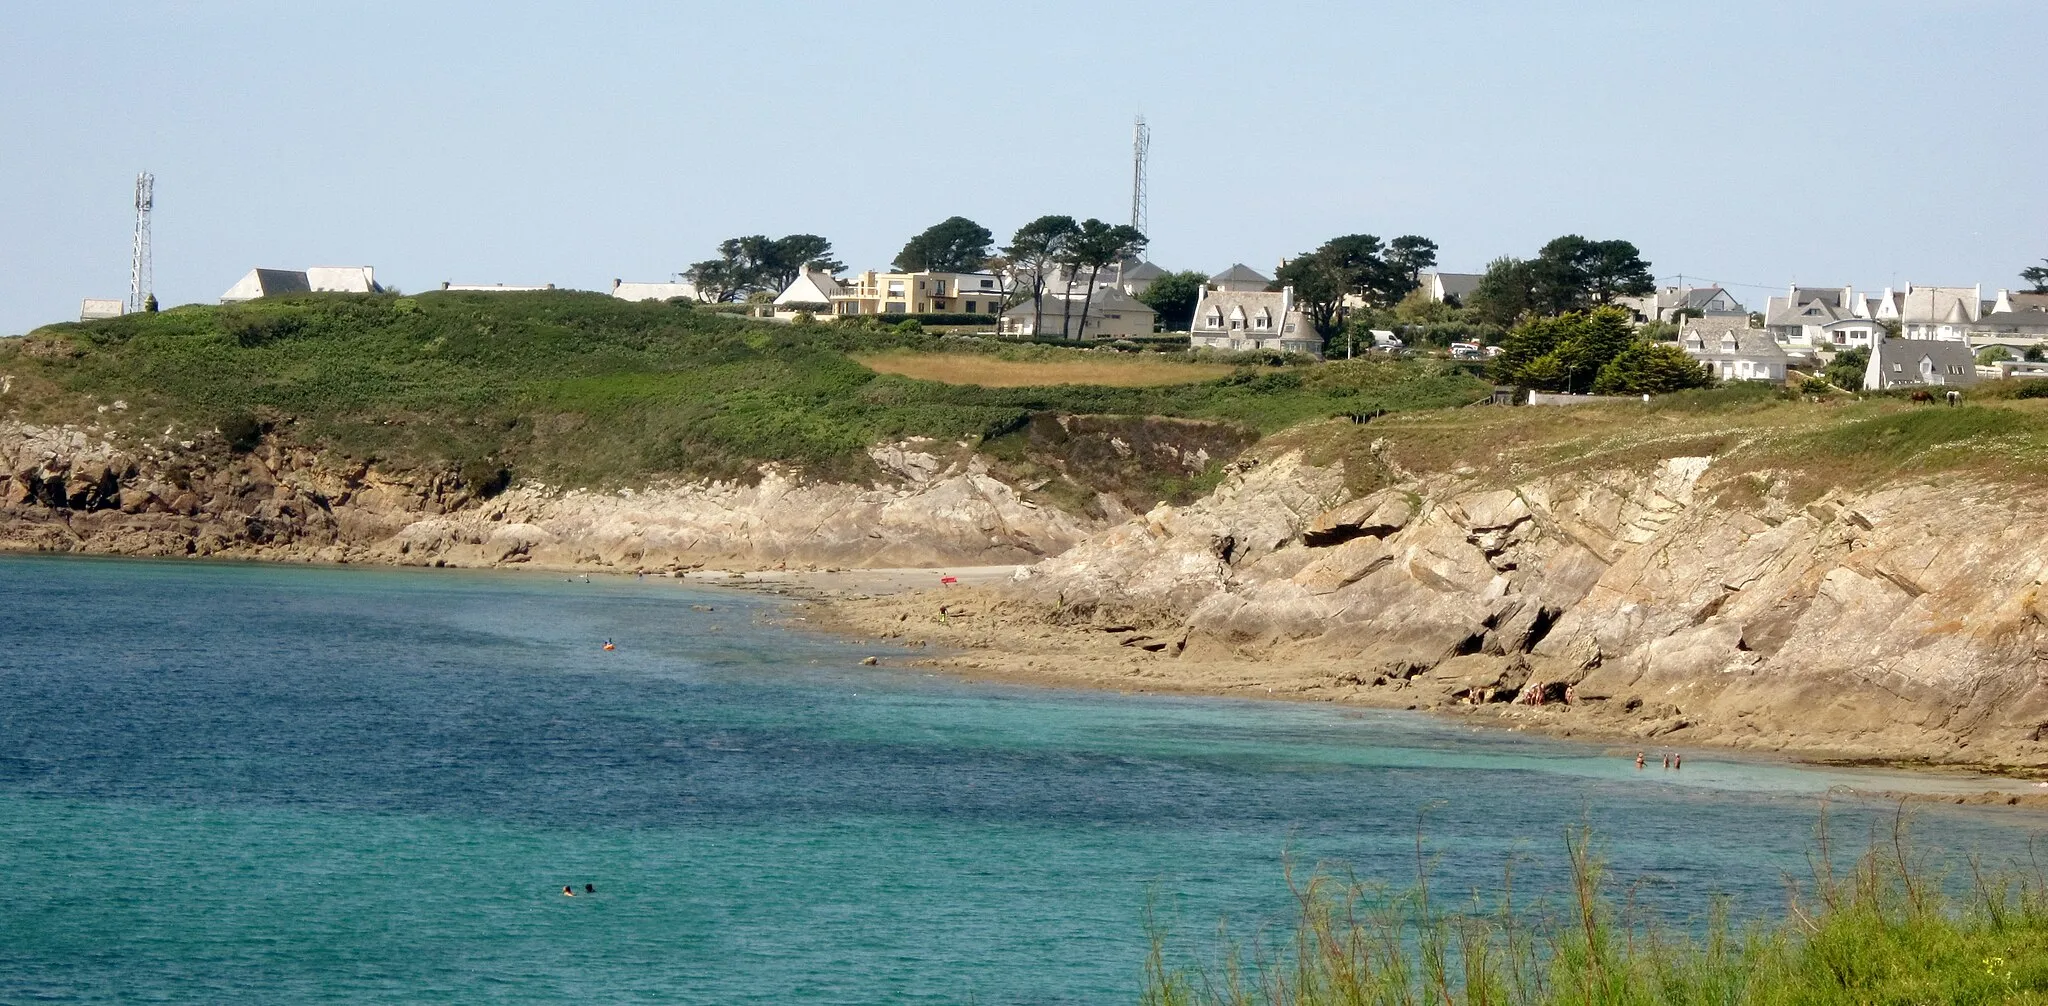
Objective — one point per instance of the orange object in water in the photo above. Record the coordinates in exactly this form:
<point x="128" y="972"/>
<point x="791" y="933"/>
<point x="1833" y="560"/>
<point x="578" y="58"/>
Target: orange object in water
<point x="609" y="646"/>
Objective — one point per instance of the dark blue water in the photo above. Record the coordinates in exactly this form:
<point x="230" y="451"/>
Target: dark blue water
<point x="282" y="784"/>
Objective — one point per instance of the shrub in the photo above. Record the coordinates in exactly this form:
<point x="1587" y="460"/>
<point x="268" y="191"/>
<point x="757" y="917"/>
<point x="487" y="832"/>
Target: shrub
<point x="242" y="431"/>
<point x="2032" y="388"/>
<point x="485" y="478"/>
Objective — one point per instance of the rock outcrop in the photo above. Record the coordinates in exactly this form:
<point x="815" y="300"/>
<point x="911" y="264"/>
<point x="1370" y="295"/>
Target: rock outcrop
<point x="76" y="490"/>
<point x="1905" y="623"/>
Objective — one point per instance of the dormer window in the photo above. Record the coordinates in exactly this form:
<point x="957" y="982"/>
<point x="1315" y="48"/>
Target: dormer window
<point x="1216" y="318"/>
<point x="1264" y="320"/>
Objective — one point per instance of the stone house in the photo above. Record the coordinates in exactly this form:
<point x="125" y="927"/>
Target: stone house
<point x="1245" y="320"/>
<point x="2017" y="321"/>
<point x="653" y="291"/>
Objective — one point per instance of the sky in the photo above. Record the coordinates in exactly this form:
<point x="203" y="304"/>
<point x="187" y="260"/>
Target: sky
<point x="1750" y="143"/>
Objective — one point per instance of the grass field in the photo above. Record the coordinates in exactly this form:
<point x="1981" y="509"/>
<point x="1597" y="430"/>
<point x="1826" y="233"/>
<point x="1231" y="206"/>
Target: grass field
<point x="1080" y="367"/>
<point x="582" y="389"/>
<point x="1812" y="446"/>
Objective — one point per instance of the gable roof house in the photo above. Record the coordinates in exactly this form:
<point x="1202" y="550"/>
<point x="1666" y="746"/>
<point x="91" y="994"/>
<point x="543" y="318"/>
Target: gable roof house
<point x="1733" y="351"/>
<point x="259" y="283"/>
<point x="1802" y="318"/>
<point x="1940" y="312"/>
<point x="2017" y="321"/>
<point x="266" y="283"/>
<point x="1901" y="363"/>
<point x="1447" y="287"/>
<point x="1240" y="278"/>
<point x="1244" y="320"/>
<point x="811" y="288"/>
<point x="653" y="291"/>
<point x="1665" y="304"/>
<point x="1110" y="314"/>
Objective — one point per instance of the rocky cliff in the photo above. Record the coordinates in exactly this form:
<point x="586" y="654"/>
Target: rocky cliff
<point x="75" y="489"/>
<point x="1662" y="600"/>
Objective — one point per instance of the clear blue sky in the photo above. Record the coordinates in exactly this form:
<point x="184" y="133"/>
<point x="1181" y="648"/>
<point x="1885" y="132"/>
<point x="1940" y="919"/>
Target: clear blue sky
<point x="1748" y="142"/>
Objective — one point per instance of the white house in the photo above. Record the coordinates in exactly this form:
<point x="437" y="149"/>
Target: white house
<point x="493" y="288"/>
<point x="1733" y="351"/>
<point x="1898" y="363"/>
<point x="2017" y="321"/>
<point x="259" y="283"/>
<point x="93" y="309"/>
<point x="1110" y="314"/>
<point x="653" y="291"/>
<point x="1244" y="320"/>
<point x="1666" y="304"/>
<point x="1939" y="312"/>
<point x="1822" y="317"/>
<point x="1448" y="287"/>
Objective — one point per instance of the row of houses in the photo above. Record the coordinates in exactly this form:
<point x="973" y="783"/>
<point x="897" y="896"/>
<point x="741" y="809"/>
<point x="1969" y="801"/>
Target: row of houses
<point x="1916" y="335"/>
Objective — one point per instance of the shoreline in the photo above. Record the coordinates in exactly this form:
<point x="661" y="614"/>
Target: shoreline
<point x="855" y="604"/>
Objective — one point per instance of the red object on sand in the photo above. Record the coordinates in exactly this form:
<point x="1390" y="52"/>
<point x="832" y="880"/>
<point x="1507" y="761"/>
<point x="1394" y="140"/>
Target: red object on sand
<point x="949" y="579"/>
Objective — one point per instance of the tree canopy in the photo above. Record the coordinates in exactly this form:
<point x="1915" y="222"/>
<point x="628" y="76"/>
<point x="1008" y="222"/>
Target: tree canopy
<point x="1650" y="368"/>
<point x="2037" y="275"/>
<point x="955" y="244"/>
<point x="1034" y="251"/>
<point x="1094" y="247"/>
<point x="1570" y="273"/>
<point x="1567" y="352"/>
<point x="760" y="264"/>
<point x="1175" y="296"/>
<point x="1354" y="265"/>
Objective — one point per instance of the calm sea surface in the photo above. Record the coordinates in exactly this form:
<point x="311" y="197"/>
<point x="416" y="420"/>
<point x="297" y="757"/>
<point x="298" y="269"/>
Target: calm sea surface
<point x="229" y="783"/>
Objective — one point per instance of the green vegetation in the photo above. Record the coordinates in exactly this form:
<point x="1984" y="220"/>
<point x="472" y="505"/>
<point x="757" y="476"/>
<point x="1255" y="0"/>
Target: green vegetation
<point x="1354" y="265"/>
<point x="759" y="264"/>
<point x="1568" y="274"/>
<point x="1174" y="296"/>
<point x="1846" y="370"/>
<point x="1596" y="350"/>
<point x="1886" y="930"/>
<point x="955" y="244"/>
<point x="583" y="389"/>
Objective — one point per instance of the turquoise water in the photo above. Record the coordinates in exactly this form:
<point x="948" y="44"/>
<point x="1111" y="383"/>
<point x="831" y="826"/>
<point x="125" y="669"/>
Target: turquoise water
<point x="284" y="784"/>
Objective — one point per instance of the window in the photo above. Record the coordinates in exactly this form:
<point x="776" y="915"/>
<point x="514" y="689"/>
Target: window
<point x="1898" y="368"/>
<point x="1235" y="324"/>
<point x="1216" y="319"/>
<point x="988" y="284"/>
<point x="970" y="307"/>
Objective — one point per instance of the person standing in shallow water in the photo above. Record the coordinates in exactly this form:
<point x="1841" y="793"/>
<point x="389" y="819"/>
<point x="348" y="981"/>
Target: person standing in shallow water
<point x="1639" y="761"/>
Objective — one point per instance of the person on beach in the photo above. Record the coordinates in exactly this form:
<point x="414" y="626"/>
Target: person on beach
<point x="1639" y="761"/>
<point x="1667" y="761"/>
<point x="1677" y="761"/>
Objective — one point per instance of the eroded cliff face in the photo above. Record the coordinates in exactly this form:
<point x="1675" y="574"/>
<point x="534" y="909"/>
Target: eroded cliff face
<point x="1905" y="623"/>
<point x="77" y="490"/>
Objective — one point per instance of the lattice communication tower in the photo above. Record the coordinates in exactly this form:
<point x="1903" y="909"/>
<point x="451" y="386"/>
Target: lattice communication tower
<point x="1141" y="149"/>
<point x="141" y="268"/>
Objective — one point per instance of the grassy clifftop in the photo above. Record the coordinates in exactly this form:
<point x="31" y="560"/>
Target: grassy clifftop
<point x="584" y="389"/>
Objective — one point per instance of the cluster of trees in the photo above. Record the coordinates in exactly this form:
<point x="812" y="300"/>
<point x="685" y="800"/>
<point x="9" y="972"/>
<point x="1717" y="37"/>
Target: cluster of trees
<point x="1056" y="245"/>
<point x="1354" y="266"/>
<point x="2037" y="275"/>
<point x="1570" y="273"/>
<point x="760" y="264"/>
<point x="1596" y="350"/>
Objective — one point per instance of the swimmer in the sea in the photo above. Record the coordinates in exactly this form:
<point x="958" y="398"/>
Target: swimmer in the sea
<point x="568" y="892"/>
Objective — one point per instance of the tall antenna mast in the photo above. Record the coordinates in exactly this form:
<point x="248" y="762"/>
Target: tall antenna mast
<point x="141" y="269"/>
<point x="1141" y="148"/>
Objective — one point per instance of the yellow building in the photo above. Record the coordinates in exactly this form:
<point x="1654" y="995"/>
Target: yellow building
<point x="919" y="293"/>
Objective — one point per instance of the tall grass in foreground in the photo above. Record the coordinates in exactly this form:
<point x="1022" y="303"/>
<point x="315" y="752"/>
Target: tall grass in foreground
<point x="1888" y="929"/>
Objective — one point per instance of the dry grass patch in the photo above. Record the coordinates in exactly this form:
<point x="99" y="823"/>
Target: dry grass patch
<point x="994" y="372"/>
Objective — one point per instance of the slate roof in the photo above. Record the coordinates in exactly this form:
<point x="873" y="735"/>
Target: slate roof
<point x="1278" y="305"/>
<point x="1942" y="304"/>
<point x="1708" y="339"/>
<point x="1240" y="273"/>
<point x="1942" y="352"/>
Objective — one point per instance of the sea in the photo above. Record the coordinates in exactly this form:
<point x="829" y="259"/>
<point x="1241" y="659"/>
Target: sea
<point x="226" y="782"/>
